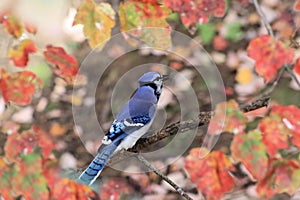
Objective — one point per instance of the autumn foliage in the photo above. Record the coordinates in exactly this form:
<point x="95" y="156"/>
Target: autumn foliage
<point x="266" y="146"/>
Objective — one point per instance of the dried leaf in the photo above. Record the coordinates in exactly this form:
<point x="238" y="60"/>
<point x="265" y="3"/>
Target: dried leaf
<point x="210" y="174"/>
<point x="97" y="21"/>
<point x="19" y="87"/>
<point x="269" y="55"/>
<point x="250" y="150"/>
<point x="146" y="21"/>
<point x="19" y="55"/>
<point x="66" y="65"/>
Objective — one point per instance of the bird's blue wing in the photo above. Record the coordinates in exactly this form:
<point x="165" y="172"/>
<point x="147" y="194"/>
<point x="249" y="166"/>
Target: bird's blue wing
<point x="118" y="131"/>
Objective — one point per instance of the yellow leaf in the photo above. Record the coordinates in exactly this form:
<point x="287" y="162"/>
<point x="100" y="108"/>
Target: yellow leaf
<point x="97" y="21"/>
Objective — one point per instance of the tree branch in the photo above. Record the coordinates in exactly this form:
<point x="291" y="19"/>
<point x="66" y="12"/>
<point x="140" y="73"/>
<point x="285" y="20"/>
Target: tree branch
<point x="156" y="171"/>
<point x="203" y="119"/>
<point x="263" y="18"/>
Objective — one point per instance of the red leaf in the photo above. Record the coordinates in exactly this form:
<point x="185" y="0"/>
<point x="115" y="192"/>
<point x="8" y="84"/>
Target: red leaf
<point x="250" y="150"/>
<point x="297" y="5"/>
<point x="19" y="54"/>
<point x="235" y="121"/>
<point x="115" y="188"/>
<point x="297" y="66"/>
<point x="44" y="141"/>
<point x="6" y="189"/>
<point x="11" y="24"/>
<point x="275" y="134"/>
<point x="269" y="55"/>
<point x="282" y="176"/>
<point x="18" y="144"/>
<point x="289" y="116"/>
<point x="219" y="43"/>
<point x="66" y="65"/>
<point x="19" y="87"/>
<point x="192" y="11"/>
<point x="210" y="174"/>
<point x="28" y="181"/>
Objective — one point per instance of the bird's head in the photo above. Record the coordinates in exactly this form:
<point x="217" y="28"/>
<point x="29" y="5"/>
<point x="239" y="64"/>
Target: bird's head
<point x="153" y="79"/>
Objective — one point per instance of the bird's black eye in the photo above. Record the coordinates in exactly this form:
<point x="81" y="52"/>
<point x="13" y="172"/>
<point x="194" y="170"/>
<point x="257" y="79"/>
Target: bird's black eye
<point x="157" y="79"/>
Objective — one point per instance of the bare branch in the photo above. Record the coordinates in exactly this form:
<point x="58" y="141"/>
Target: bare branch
<point x="165" y="178"/>
<point x="263" y="18"/>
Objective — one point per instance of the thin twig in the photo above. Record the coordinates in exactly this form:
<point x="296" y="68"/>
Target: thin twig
<point x="274" y="84"/>
<point x="290" y="71"/>
<point x="263" y="18"/>
<point x="165" y="178"/>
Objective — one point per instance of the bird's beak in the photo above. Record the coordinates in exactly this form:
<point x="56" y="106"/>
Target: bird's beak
<point x="165" y="77"/>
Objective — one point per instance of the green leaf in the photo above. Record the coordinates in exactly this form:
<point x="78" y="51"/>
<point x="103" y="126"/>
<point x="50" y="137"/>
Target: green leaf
<point x="250" y="150"/>
<point x="207" y="32"/>
<point x="233" y="31"/>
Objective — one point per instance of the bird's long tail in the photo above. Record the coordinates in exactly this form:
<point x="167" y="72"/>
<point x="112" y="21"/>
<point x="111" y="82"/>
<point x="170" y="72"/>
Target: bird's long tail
<point x="90" y="174"/>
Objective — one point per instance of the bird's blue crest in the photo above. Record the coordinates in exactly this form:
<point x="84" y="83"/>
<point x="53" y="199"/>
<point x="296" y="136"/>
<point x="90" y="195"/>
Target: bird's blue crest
<point x="149" y="77"/>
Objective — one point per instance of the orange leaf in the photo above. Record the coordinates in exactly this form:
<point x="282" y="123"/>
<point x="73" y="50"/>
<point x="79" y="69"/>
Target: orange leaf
<point x="11" y="24"/>
<point x="71" y="190"/>
<point x="19" y="54"/>
<point x="66" y="65"/>
<point x="115" y="188"/>
<point x="282" y="176"/>
<point x="19" y="87"/>
<point x="210" y="174"/>
<point x="251" y="151"/>
<point x="269" y="55"/>
<point x="235" y="121"/>
<point x="297" y="66"/>
<point x="275" y="134"/>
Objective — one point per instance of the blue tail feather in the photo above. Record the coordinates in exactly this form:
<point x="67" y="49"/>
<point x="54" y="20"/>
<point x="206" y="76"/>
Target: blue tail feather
<point x="90" y="174"/>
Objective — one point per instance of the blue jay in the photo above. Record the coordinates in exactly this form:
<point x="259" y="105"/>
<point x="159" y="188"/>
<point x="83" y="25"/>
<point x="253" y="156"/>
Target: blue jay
<point x="131" y="123"/>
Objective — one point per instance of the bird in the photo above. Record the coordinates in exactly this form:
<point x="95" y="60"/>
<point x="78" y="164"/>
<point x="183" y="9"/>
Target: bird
<point x="130" y="124"/>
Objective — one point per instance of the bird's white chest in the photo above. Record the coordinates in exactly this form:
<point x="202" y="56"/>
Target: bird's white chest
<point x="131" y="139"/>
